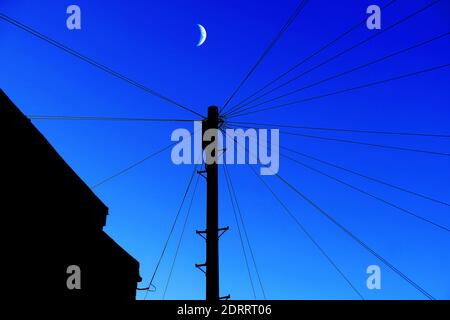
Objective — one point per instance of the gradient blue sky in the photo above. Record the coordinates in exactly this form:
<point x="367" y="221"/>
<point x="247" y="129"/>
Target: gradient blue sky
<point x="154" y="42"/>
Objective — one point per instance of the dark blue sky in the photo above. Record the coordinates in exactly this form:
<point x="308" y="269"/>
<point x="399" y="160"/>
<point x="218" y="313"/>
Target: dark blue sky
<point x="154" y="42"/>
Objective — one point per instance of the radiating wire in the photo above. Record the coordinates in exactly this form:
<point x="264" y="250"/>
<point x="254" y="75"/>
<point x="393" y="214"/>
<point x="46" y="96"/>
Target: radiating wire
<point x="363" y="191"/>
<point x="420" y="134"/>
<point x="367" y="193"/>
<point x="362" y="66"/>
<point x="92" y="118"/>
<point x="363" y="22"/>
<point x="305" y="231"/>
<point x="368" y="144"/>
<point x="291" y="19"/>
<point x="92" y="62"/>
<point x="171" y="231"/>
<point x="181" y="237"/>
<point x="367" y="85"/>
<point x="361" y="143"/>
<point x="240" y="233"/>
<point x="367" y="177"/>
<point x="343" y="52"/>
<point x="123" y="171"/>
<point x="245" y="231"/>
<point x="355" y="238"/>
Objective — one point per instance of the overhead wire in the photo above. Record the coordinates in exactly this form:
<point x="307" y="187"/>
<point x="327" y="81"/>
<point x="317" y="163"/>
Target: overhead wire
<point x="172" y="228"/>
<point x="244" y="228"/>
<point x="402" y="133"/>
<point x="92" y="62"/>
<point x="240" y="234"/>
<point x="291" y="19"/>
<point x="373" y="36"/>
<point x="94" y="118"/>
<point x="306" y="232"/>
<point x="353" y="236"/>
<point x="386" y="202"/>
<point x="181" y="238"/>
<point x="347" y="72"/>
<point x="333" y="93"/>
<point x="326" y="46"/>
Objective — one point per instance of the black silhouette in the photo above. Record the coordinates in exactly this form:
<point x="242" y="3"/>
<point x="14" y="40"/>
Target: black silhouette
<point x="52" y="220"/>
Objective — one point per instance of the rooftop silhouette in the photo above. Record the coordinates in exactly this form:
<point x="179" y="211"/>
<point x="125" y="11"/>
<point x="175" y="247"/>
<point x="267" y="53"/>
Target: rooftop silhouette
<point x="55" y="221"/>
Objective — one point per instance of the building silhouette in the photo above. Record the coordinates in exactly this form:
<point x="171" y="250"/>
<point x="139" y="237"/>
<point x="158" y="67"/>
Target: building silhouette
<point x="52" y="220"/>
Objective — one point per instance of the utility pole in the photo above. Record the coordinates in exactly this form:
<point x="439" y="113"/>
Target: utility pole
<point x="212" y="216"/>
<point x="212" y="210"/>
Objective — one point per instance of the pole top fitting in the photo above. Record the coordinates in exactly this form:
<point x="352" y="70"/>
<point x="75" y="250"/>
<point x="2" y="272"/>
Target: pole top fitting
<point x="213" y="112"/>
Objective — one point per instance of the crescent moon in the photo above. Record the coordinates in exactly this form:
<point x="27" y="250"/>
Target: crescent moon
<point x="202" y="35"/>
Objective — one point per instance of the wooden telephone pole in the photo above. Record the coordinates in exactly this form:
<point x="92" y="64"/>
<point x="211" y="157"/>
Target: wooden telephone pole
<point x="212" y="211"/>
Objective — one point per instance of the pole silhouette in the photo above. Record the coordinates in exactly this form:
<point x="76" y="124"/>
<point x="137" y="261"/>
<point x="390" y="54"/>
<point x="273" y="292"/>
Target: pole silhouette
<point x="212" y="215"/>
